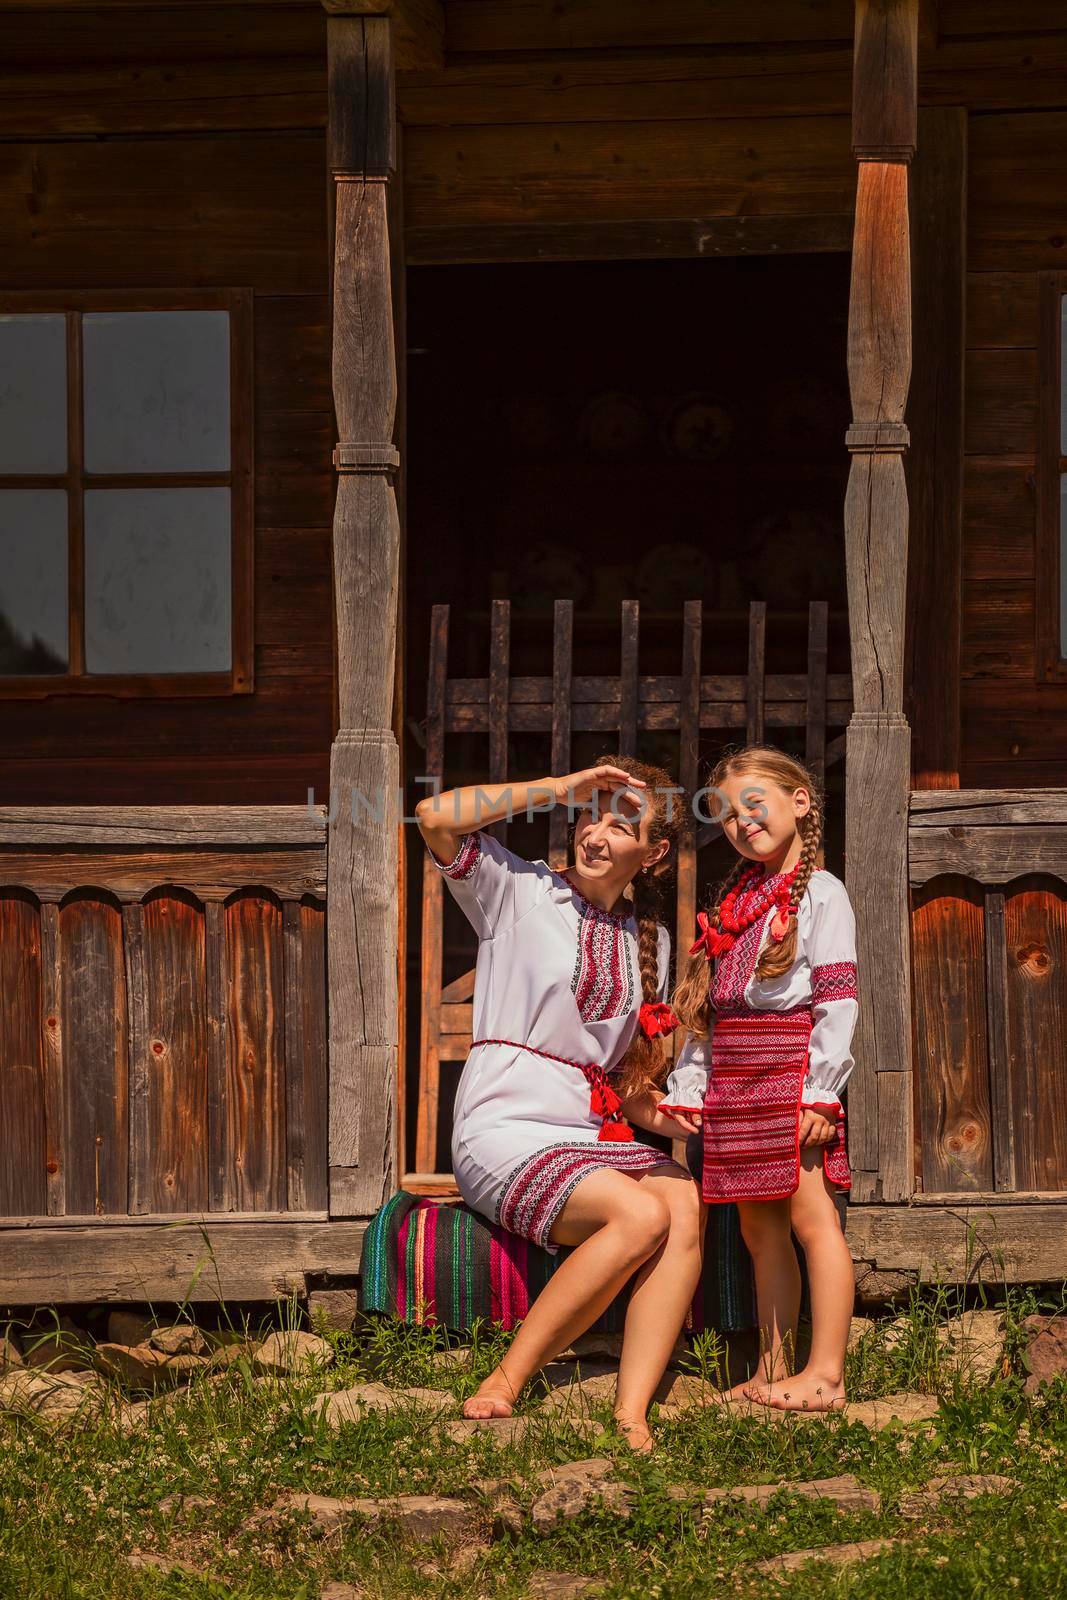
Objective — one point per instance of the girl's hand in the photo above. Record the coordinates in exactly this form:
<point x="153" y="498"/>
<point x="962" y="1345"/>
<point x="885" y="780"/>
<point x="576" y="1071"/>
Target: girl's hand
<point x="815" y="1129"/>
<point x="578" y="788"/>
<point x="690" y="1121"/>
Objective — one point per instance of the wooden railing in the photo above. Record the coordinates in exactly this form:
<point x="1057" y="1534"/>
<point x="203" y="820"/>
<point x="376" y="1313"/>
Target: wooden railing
<point x="988" y="870"/>
<point x="163" y="1031"/>
<point x="748" y="706"/>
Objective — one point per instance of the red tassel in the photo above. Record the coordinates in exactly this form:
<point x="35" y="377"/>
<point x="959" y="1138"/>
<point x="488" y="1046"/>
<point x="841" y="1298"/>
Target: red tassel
<point x="617" y="1131"/>
<point x="780" y="924"/>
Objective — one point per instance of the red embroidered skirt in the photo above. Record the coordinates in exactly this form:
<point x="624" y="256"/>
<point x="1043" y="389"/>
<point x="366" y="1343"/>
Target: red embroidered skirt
<point x="759" y="1060"/>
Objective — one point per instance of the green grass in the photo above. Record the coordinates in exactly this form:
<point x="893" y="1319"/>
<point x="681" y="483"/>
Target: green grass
<point x="75" y="1502"/>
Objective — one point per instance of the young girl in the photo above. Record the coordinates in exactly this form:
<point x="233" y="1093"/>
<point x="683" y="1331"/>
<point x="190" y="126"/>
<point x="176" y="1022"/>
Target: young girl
<point x="769" y="999"/>
<point x="570" y="986"/>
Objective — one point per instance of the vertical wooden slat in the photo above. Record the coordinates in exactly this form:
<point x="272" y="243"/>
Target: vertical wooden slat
<point x="316" y="1107"/>
<point x="139" y="1186"/>
<point x="878" y="748"/>
<point x="221" y="1176"/>
<point x="499" y="671"/>
<point x="364" y="759"/>
<point x="23" y="1186"/>
<point x="1035" y="931"/>
<point x="55" y="1120"/>
<point x="996" y="986"/>
<point x="688" y="767"/>
<point x="562" y="663"/>
<point x="628" y="678"/>
<point x="256" y="1076"/>
<point x="432" y="913"/>
<point x="755" y="687"/>
<point x="95" y="1058"/>
<point x="815" y="736"/>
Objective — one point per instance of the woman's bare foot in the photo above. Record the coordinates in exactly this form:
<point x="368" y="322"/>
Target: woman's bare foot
<point x="495" y="1398"/>
<point x="635" y="1431"/>
<point x="807" y="1391"/>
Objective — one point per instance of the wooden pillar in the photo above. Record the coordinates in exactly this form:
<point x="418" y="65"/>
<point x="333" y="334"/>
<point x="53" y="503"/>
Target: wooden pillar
<point x="362" y="858"/>
<point x="876" y="541"/>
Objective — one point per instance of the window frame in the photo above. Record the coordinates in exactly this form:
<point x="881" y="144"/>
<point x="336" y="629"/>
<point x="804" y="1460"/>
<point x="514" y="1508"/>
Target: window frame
<point x="74" y="304"/>
<point x="1051" y="467"/>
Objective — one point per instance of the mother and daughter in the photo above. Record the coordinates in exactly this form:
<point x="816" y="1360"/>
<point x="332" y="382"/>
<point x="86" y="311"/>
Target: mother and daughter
<point x="571" y="1012"/>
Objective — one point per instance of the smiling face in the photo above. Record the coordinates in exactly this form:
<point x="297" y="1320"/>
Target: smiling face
<point x="760" y="818"/>
<point x="616" y="843"/>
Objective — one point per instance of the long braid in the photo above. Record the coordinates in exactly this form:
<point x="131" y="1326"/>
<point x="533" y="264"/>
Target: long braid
<point x="644" y="1066"/>
<point x="777" y="959"/>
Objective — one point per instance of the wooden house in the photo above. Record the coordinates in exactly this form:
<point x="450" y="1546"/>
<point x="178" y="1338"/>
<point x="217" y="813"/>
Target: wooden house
<point x="704" y="359"/>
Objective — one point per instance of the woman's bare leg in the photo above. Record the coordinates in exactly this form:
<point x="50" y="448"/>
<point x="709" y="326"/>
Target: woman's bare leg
<point x="616" y="1224"/>
<point x="662" y="1294"/>
<point x="765" y="1227"/>
<point x="832" y="1284"/>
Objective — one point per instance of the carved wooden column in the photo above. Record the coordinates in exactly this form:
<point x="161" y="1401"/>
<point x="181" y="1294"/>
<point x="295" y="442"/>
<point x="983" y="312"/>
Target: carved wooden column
<point x="364" y="760"/>
<point x="876" y="538"/>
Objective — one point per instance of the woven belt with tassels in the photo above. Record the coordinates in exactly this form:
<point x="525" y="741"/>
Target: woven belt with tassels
<point x="603" y="1101"/>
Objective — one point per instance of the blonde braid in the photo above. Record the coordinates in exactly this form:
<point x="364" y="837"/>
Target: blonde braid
<point x="777" y="959"/>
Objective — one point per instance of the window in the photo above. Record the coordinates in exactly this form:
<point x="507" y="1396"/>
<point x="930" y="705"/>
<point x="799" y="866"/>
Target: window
<point x="1052" y="479"/>
<point x="125" y="493"/>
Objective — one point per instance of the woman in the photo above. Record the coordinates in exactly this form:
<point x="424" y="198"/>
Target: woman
<point x="567" y="967"/>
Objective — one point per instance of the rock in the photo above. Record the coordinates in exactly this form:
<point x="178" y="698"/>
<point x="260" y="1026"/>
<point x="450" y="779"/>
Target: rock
<point x="337" y="1309"/>
<point x="419" y="1517"/>
<point x="881" y="1413"/>
<point x="335" y="1590"/>
<point x="10" y="1351"/>
<point x="510" y="1430"/>
<point x="1045" y="1356"/>
<point x="507" y="1519"/>
<point x="225" y="1356"/>
<point x="561" y="1586"/>
<point x="592" y="1470"/>
<point x="129" y="1327"/>
<point x="882" y="1286"/>
<point x="686" y="1391"/>
<point x="964" y="1486"/>
<point x="846" y="1492"/>
<point x="146" y="1369"/>
<point x="181" y="1503"/>
<point x="605" y="1345"/>
<point x="53" y="1396"/>
<point x="838" y="1555"/>
<point x="141" y="1559"/>
<point x="351" y="1405"/>
<point x="292" y="1352"/>
<point x="972" y="1345"/>
<point x="183" y="1339"/>
<point x="858" y="1329"/>
<point x="62" y="1348"/>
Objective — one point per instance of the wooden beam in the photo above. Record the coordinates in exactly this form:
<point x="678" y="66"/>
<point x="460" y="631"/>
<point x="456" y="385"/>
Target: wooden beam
<point x="199" y="827"/>
<point x="606" y="240"/>
<point x="934" y="463"/>
<point x="364" y="760"/>
<point x="418" y="28"/>
<point x="986" y="1238"/>
<point x="876" y="539"/>
<point x="198" y="1258"/>
<point x="937" y="808"/>
<point x="989" y="855"/>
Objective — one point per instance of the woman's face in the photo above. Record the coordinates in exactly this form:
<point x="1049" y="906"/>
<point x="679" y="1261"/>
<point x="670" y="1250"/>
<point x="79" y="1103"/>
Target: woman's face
<point x="759" y="817"/>
<point x="614" y="843"/>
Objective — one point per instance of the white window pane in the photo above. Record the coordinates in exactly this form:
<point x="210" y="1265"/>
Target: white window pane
<point x="157" y="391"/>
<point x="33" y="581"/>
<point x="157" y="580"/>
<point x="33" y="394"/>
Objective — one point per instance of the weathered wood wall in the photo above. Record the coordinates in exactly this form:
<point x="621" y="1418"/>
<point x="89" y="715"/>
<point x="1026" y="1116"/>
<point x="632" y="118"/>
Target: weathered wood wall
<point x="163" y="1033"/>
<point x="178" y="148"/>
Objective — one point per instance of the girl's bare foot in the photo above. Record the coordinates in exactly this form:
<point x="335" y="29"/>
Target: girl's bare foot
<point x="495" y="1398"/>
<point x="807" y="1391"/>
<point x="636" y="1433"/>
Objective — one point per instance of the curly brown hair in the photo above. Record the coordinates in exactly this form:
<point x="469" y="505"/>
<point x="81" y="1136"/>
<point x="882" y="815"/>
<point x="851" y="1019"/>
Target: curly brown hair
<point x="691" y="1001"/>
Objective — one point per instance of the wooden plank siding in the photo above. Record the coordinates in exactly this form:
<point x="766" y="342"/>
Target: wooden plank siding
<point x="162" y="1047"/>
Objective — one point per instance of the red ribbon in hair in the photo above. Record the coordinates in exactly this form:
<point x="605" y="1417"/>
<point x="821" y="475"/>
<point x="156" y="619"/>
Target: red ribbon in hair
<point x="710" y="939"/>
<point x="656" y="1018"/>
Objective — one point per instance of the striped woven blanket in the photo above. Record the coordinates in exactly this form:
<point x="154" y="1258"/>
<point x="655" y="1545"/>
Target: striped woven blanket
<point x="433" y="1263"/>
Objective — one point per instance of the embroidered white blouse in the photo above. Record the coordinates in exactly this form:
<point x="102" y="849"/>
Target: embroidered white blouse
<point x="822" y="975"/>
<point x="553" y="972"/>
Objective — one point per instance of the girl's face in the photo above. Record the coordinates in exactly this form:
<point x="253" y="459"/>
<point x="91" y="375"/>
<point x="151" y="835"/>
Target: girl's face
<point x="614" y="843"/>
<point x="760" y="818"/>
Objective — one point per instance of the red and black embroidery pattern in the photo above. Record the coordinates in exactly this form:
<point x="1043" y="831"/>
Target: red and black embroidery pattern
<point x="835" y="980"/>
<point x="466" y="858"/>
<point x="602" y="980"/>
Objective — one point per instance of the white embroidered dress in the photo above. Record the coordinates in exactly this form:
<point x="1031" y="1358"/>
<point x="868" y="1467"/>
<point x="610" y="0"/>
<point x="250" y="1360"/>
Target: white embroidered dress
<point x="557" y="974"/>
<point x="822" y="979"/>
